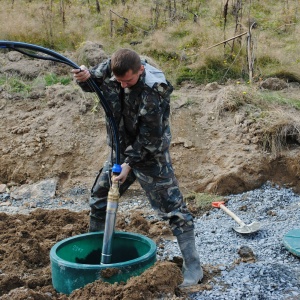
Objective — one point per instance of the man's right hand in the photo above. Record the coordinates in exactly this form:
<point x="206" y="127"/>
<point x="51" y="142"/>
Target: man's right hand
<point x="82" y="74"/>
<point x="124" y="173"/>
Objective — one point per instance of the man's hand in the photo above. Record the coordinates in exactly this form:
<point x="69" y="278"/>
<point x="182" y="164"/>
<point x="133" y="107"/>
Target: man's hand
<point x="124" y="173"/>
<point x="82" y="74"/>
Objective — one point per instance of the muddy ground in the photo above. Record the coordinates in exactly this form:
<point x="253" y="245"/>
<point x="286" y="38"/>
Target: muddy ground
<point x="58" y="132"/>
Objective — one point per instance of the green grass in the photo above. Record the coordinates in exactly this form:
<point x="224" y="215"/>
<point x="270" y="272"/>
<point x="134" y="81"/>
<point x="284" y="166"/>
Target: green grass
<point x="214" y="69"/>
<point x="51" y="79"/>
<point x="15" y="85"/>
<point x="203" y="201"/>
<point x="3" y="80"/>
<point x="277" y="98"/>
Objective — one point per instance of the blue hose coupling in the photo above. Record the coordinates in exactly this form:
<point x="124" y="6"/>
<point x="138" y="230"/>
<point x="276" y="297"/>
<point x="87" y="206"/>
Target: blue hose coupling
<point x="116" y="169"/>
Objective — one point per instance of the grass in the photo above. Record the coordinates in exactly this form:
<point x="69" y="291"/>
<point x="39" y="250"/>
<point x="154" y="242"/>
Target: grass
<point x="15" y="85"/>
<point x="277" y="98"/>
<point x="177" y="37"/>
<point x="279" y="128"/>
<point x="201" y="202"/>
<point x="51" y="79"/>
<point x="214" y="69"/>
<point x="270" y="113"/>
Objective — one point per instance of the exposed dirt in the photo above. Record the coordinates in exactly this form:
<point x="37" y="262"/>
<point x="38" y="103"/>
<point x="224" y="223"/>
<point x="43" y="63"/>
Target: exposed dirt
<point x="25" y="272"/>
<point x="52" y="132"/>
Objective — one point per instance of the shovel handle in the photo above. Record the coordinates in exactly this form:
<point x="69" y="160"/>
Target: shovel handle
<point x="229" y="212"/>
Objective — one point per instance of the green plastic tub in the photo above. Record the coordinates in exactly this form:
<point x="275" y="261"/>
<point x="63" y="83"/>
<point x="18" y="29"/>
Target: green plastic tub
<point x="75" y="261"/>
<point x="291" y="241"/>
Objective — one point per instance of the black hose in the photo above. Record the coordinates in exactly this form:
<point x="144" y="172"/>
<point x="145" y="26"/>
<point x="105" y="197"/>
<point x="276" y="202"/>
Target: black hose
<point x="54" y="56"/>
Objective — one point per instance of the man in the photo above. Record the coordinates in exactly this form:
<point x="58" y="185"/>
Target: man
<point x="139" y="97"/>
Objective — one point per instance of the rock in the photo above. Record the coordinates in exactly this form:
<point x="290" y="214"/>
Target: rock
<point x="91" y="53"/>
<point x="212" y="86"/>
<point x="274" y="84"/>
<point x="182" y="141"/>
<point x="179" y="103"/>
<point x="68" y="227"/>
<point x="14" y="56"/>
<point x="3" y="188"/>
<point x="239" y="118"/>
<point x="43" y="189"/>
<point x="246" y="254"/>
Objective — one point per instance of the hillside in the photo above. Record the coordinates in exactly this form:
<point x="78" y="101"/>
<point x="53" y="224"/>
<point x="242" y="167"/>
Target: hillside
<point x="226" y="139"/>
<point x="222" y="143"/>
<point x="199" y="41"/>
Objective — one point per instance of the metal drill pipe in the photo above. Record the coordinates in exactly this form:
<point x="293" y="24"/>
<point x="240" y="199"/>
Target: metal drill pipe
<point x="111" y="212"/>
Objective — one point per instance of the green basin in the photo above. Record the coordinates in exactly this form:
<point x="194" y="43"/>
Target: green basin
<point x="75" y="261"/>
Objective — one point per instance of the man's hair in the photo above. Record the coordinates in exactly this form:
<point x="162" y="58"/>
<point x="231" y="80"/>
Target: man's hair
<point x="124" y="60"/>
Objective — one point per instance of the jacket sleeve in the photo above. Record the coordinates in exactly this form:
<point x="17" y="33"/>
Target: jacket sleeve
<point x="153" y="121"/>
<point x="99" y="73"/>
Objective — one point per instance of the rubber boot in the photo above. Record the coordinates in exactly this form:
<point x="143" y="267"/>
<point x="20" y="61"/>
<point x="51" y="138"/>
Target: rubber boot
<point x="191" y="269"/>
<point x="96" y="224"/>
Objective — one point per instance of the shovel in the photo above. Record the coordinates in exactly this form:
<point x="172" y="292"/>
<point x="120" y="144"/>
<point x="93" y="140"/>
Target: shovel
<point x="243" y="228"/>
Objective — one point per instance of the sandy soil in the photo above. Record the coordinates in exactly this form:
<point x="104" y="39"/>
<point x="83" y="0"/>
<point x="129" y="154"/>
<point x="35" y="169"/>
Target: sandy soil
<point x="54" y="132"/>
<point x="25" y="264"/>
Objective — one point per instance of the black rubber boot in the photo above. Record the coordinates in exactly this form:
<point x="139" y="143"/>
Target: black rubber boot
<point x="191" y="269"/>
<point x="96" y="224"/>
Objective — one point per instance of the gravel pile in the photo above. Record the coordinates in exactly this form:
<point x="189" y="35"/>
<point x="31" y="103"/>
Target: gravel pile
<point x="267" y="270"/>
<point x="275" y="274"/>
<point x="74" y="201"/>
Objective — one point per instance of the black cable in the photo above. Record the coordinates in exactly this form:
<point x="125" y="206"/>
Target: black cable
<point x="56" y="57"/>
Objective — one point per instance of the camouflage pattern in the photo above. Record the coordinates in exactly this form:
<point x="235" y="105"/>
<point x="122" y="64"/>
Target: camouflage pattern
<point x="145" y="136"/>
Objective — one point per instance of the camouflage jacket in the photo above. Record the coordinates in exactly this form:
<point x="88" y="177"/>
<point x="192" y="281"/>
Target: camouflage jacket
<point x="141" y="113"/>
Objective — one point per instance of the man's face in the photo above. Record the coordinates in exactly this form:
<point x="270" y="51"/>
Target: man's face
<point x="130" y="78"/>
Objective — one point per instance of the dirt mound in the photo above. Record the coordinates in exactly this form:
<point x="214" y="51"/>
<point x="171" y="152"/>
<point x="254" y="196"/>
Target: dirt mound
<point x="161" y="280"/>
<point x="26" y="241"/>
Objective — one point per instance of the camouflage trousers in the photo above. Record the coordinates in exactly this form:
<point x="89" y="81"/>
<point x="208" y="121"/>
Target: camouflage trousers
<point x="158" y="181"/>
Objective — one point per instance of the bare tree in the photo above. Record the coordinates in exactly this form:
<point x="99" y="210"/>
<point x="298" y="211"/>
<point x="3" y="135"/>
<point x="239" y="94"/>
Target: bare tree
<point x="237" y="11"/>
<point x="62" y="12"/>
<point x="225" y="13"/>
<point x="98" y="7"/>
<point x="155" y="11"/>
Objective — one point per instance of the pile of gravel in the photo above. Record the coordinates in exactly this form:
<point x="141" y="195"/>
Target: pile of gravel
<point x="271" y="272"/>
<point x="276" y="272"/>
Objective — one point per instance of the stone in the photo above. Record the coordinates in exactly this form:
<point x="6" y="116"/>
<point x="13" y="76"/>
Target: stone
<point x="42" y="189"/>
<point x="274" y="84"/>
<point x="3" y="188"/>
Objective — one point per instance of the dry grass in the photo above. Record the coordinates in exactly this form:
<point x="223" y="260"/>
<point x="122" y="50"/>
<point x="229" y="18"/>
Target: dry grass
<point x="233" y="97"/>
<point x="280" y="130"/>
<point x="173" y="38"/>
<point x="271" y="115"/>
<point x="199" y="203"/>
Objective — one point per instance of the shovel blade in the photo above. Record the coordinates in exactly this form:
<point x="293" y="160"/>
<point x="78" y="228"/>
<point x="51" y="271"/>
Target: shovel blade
<point x="251" y="228"/>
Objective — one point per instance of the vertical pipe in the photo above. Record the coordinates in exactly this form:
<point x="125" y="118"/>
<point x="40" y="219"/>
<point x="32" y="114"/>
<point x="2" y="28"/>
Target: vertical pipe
<point x="111" y="211"/>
